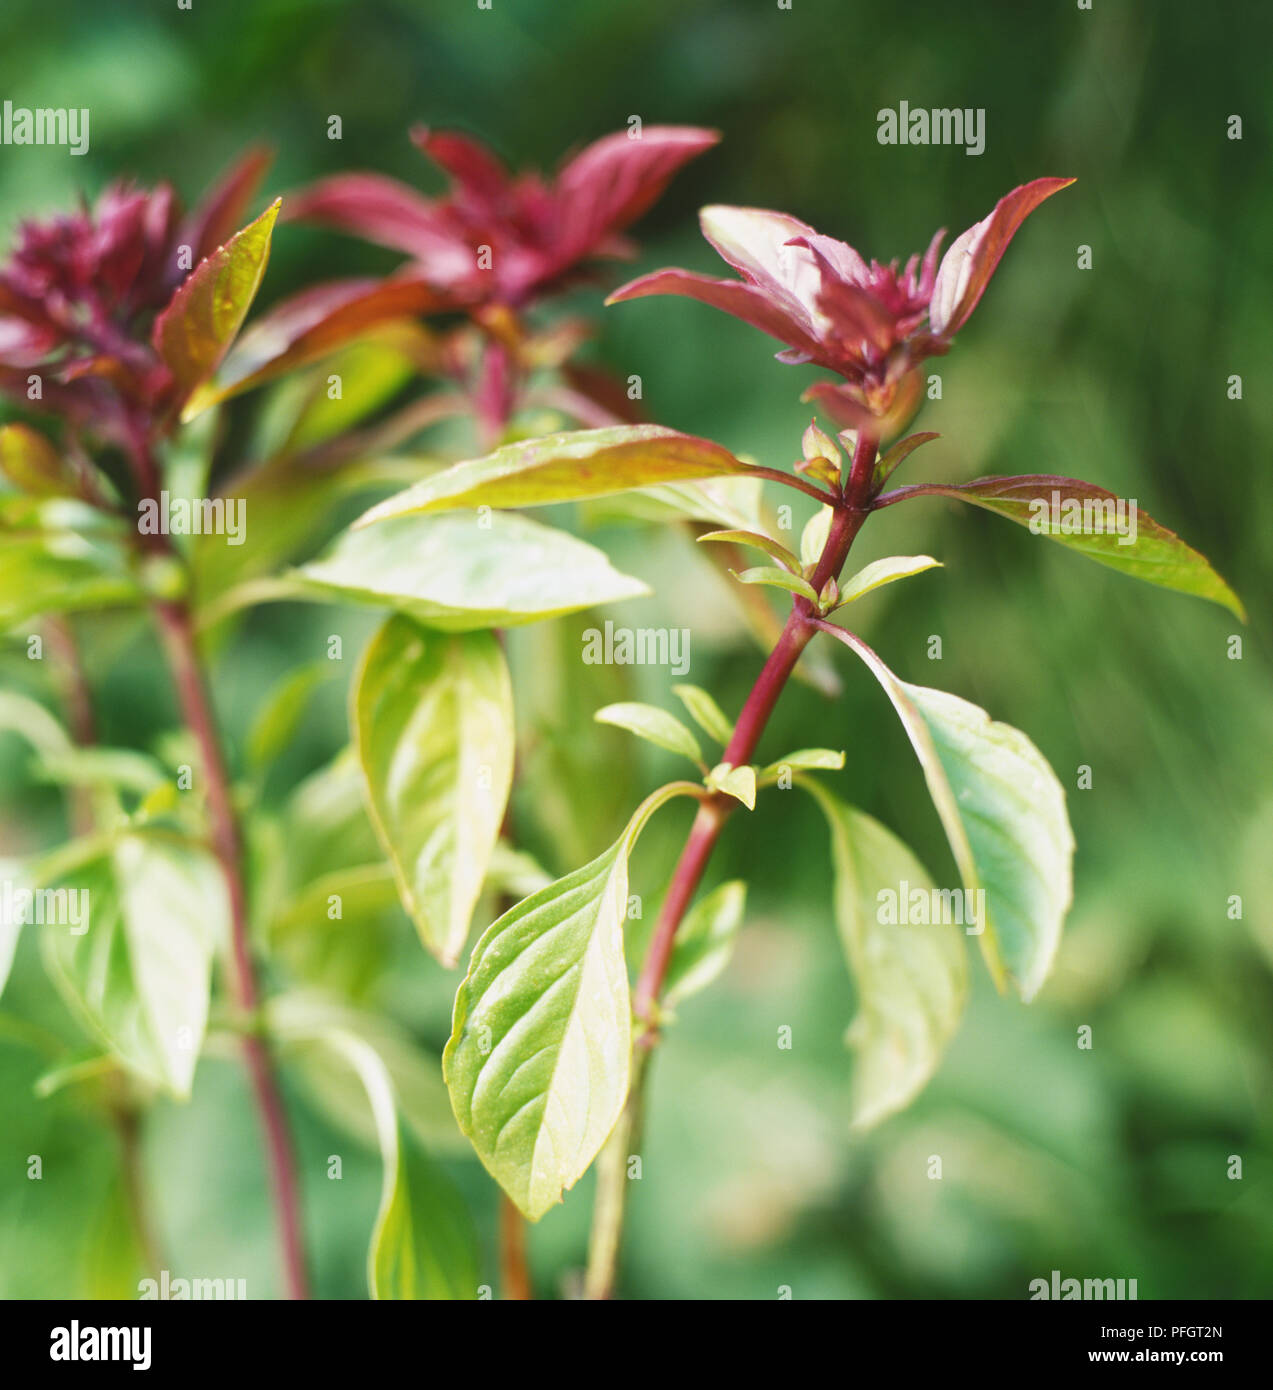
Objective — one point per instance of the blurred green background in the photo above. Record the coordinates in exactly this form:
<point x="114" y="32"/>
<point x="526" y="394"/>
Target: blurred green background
<point x="1103" y="1163"/>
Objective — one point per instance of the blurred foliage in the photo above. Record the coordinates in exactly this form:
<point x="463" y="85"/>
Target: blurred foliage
<point x="1102" y="1163"/>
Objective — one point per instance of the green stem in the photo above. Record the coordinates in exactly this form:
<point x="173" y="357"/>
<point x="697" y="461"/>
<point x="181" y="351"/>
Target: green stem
<point x="609" y="1205"/>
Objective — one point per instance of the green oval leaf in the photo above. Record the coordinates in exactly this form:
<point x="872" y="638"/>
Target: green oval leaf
<point x="564" y="468"/>
<point x="1004" y="814"/>
<point x="540" y="1049"/>
<point x="813" y="539"/>
<point x="820" y="759"/>
<point x="705" y="712"/>
<point x="756" y="541"/>
<point x="338" y="932"/>
<point x="912" y="981"/>
<point x="653" y="724"/>
<point x="777" y="579"/>
<point x="433" y="723"/>
<point x="886" y="571"/>
<point x="458" y="573"/>
<point x="334" y="1085"/>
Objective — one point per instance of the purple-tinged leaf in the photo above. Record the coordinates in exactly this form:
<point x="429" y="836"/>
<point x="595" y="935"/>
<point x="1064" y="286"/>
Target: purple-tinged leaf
<point x="888" y="463"/>
<point x="971" y="259"/>
<point x="391" y="214"/>
<point x="564" y="468"/>
<point x="309" y="326"/>
<point x="194" y="332"/>
<point x="747" y="302"/>
<point x="473" y="167"/>
<point x="607" y="186"/>
<point x="1130" y="540"/>
<point x="221" y="210"/>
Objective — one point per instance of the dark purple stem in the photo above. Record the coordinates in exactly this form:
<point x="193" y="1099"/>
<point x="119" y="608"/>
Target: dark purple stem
<point x="178" y="633"/>
<point x="496" y="392"/>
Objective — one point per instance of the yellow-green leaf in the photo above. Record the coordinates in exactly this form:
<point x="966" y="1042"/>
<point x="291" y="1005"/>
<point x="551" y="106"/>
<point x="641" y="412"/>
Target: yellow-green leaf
<point x="540" y="1049"/>
<point x="433" y="721"/>
<point x="912" y="980"/>
<point x="195" y="331"/>
<point x="1004" y="814"/>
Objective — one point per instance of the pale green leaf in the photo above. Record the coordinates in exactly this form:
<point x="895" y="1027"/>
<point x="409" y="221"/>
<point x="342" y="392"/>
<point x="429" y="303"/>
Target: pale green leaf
<point x="335" y="1085"/>
<point x="885" y="571"/>
<point x="138" y="967"/>
<point x="736" y="503"/>
<point x="774" y="549"/>
<point x="820" y="759"/>
<point x="777" y="579"/>
<point x="912" y="980"/>
<point x="20" y="714"/>
<point x="515" y="873"/>
<point x="459" y="573"/>
<point x="337" y="932"/>
<point x="433" y="721"/>
<point x="705" y="712"/>
<point x="280" y="716"/>
<point x="738" y="782"/>
<point x="62" y="572"/>
<point x="654" y="725"/>
<point x="1004" y="814"/>
<point x="123" y="768"/>
<point x="813" y="539"/>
